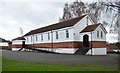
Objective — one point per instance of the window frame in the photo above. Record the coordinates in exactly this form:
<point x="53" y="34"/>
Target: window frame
<point x="36" y="39"/>
<point x="31" y="38"/>
<point x="101" y="34"/>
<point x="41" y="37"/>
<point x="27" y="39"/>
<point x="48" y="36"/>
<point x="67" y="33"/>
<point x="56" y="34"/>
<point x="98" y="34"/>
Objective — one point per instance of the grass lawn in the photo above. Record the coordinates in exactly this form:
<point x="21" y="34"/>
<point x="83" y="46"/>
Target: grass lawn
<point x="118" y="59"/>
<point x="13" y="65"/>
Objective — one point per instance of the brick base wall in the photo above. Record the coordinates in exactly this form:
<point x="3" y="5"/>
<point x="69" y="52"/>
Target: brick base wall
<point x="98" y="44"/>
<point x="95" y="44"/>
<point x="17" y="46"/>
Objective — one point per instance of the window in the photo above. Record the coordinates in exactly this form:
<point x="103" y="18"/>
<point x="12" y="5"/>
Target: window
<point x="27" y="39"/>
<point x="101" y="34"/>
<point x="41" y="37"/>
<point x="36" y="38"/>
<point x="97" y="33"/>
<point x="31" y="38"/>
<point x="56" y="35"/>
<point x="48" y="36"/>
<point x="87" y="20"/>
<point x="67" y="34"/>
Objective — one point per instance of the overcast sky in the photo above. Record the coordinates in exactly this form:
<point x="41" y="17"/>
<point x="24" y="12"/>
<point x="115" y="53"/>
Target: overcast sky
<point x="29" y="15"/>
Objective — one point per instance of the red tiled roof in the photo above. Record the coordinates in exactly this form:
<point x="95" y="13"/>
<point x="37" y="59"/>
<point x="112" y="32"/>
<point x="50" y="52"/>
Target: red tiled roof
<point x="113" y="47"/>
<point x="108" y="48"/>
<point x="19" y="38"/>
<point x="92" y="28"/>
<point x="59" y="25"/>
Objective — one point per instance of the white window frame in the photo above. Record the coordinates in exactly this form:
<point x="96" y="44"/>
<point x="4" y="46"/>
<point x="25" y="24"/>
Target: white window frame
<point x="56" y="34"/>
<point x="98" y="34"/>
<point x="67" y="33"/>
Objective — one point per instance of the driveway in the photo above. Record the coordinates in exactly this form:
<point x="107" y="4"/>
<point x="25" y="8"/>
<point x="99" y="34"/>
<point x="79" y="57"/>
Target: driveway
<point x="109" y="60"/>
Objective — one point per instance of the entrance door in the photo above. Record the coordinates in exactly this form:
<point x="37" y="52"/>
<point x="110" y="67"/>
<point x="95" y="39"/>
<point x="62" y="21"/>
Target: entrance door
<point x="23" y="44"/>
<point x="85" y="40"/>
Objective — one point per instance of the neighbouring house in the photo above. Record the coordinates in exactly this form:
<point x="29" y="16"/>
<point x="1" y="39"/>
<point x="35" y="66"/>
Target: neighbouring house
<point x="77" y="35"/>
<point x="113" y="48"/>
<point x="4" y="43"/>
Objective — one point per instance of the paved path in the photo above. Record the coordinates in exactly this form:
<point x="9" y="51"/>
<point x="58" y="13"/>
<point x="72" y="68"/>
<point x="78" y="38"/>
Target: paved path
<point x="109" y="60"/>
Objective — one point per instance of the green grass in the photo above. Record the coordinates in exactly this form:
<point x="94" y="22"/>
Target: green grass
<point x="0" y="63"/>
<point x="118" y="59"/>
<point x="13" y="65"/>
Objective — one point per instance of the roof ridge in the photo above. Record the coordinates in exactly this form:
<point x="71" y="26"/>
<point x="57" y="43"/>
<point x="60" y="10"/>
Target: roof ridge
<point x="61" y="22"/>
<point x="58" y="25"/>
<point x="92" y="27"/>
<point x="95" y="24"/>
<point x="19" y="38"/>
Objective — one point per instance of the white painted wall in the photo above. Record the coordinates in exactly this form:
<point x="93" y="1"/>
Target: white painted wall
<point x="100" y="29"/>
<point x="17" y="41"/>
<point x="94" y="35"/>
<point x="16" y="49"/>
<point x="80" y="26"/>
<point x="82" y="34"/>
<point x="74" y="33"/>
<point x="61" y="36"/>
<point x="97" y="51"/>
<point x="3" y="43"/>
<point x="60" y="50"/>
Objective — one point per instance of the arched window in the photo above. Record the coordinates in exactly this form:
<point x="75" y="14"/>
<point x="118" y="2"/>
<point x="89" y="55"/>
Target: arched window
<point x="101" y="34"/>
<point x="56" y="35"/>
<point x="97" y="33"/>
<point x="67" y="34"/>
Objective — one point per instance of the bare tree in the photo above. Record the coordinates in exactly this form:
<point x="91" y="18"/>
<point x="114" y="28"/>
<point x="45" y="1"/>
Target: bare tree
<point x="115" y="24"/>
<point x="95" y="10"/>
<point x="79" y="8"/>
<point x="73" y="10"/>
<point x="66" y="13"/>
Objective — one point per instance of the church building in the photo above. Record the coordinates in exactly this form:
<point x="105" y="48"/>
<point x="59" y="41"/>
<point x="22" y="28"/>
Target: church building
<point x="78" y="35"/>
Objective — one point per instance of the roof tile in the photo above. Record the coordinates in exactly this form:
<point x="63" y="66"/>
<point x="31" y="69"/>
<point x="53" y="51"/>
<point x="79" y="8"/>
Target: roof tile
<point x="19" y="38"/>
<point x="90" y="28"/>
<point x="59" y="25"/>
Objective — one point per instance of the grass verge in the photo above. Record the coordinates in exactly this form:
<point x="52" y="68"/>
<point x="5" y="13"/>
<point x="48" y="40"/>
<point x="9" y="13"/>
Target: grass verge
<point x="13" y="65"/>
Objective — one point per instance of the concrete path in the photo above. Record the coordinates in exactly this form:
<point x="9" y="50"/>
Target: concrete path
<point x="109" y="60"/>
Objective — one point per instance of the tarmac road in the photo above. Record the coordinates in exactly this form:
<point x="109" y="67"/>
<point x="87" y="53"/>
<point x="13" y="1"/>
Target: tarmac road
<point x="108" y="60"/>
